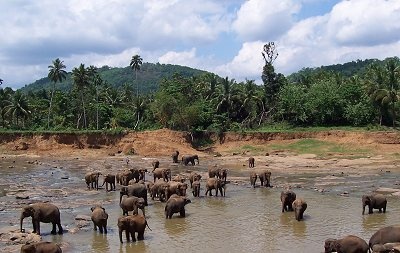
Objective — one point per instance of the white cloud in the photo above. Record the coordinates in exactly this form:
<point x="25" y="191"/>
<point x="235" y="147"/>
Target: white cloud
<point x="264" y="20"/>
<point x="184" y="58"/>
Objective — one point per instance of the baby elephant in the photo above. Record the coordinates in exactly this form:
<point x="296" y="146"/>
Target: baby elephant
<point x="99" y="218"/>
<point x="251" y="162"/>
<point x="299" y="206"/>
<point x="375" y="201"/>
<point x="348" y="244"/>
<point x="132" y="204"/>
<point x="287" y="198"/>
<point x="176" y="204"/>
<point x="41" y="247"/>
<point x="196" y="188"/>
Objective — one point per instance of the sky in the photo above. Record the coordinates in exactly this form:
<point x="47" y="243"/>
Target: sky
<point x="225" y="37"/>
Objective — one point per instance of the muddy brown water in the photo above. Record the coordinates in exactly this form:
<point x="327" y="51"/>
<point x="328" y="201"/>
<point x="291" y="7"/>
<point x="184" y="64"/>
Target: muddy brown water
<point x="246" y="220"/>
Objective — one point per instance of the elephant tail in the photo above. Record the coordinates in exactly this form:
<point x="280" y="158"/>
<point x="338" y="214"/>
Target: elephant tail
<point x="147" y="224"/>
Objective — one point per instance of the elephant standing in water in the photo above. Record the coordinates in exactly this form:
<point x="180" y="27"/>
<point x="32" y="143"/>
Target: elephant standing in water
<point x="299" y="206"/>
<point x="137" y="190"/>
<point x="41" y="247"/>
<point x="132" y="204"/>
<point x="190" y="159"/>
<point x="348" y="244"/>
<point x="132" y="224"/>
<point x="196" y="188"/>
<point x="92" y="180"/>
<point x="176" y="204"/>
<point x="99" y="218"/>
<point x="175" y="156"/>
<point x="217" y="184"/>
<point x="109" y="179"/>
<point x="162" y="173"/>
<point x="385" y="235"/>
<point x="263" y="175"/>
<point x="42" y="212"/>
<point x="287" y="199"/>
<point x="375" y="201"/>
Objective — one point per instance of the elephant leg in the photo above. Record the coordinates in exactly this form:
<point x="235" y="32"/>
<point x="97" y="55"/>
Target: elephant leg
<point x="182" y="212"/>
<point x="53" y="231"/>
<point x="101" y="229"/>
<point x="128" y="239"/>
<point x="105" y="229"/>
<point x="37" y="227"/>
<point x="140" y="236"/>
<point x="60" y="229"/>
<point x="120" y="235"/>
<point x="384" y="208"/>
<point x="133" y="236"/>
<point x="94" y="227"/>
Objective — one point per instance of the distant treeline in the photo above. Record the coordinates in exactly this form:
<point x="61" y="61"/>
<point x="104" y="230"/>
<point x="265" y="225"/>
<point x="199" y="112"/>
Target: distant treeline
<point x="358" y="93"/>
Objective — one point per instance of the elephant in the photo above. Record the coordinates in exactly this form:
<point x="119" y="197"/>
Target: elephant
<point x="196" y="188"/>
<point x="390" y="234"/>
<point x="176" y="204"/>
<point x="194" y="177"/>
<point x="132" y="174"/>
<point x="213" y="172"/>
<point x="132" y="204"/>
<point x="391" y="247"/>
<point x="176" y="188"/>
<point x="99" y="218"/>
<point x="299" y="206"/>
<point x="162" y="173"/>
<point x="253" y="178"/>
<point x="42" y="212"/>
<point x="222" y="174"/>
<point x="348" y="244"/>
<point x="155" y="164"/>
<point x="251" y="162"/>
<point x="217" y="184"/>
<point x="175" y="156"/>
<point x="287" y="198"/>
<point x="159" y="190"/>
<point x="375" y="201"/>
<point x="41" y="247"/>
<point x="137" y="190"/>
<point x="132" y="224"/>
<point x="190" y="159"/>
<point x="179" y="178"/>
<point x="92" y="180"/>
<point x="109" y="179"/>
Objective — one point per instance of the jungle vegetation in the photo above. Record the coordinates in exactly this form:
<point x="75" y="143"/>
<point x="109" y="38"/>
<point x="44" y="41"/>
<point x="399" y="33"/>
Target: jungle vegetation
<point x="147" y="96"/>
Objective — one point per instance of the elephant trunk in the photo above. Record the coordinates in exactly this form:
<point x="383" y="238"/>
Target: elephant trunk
<point x="363" y="211"/>
<point x="120" y="235"/>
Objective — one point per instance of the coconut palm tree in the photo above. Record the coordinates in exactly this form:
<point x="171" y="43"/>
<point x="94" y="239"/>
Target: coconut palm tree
<point x="81" y="80"/>
<point x="17" y="107"/>
<point x="5" y="97"/>
<point x="56" y="74"/>
<point x="136" y="63"/>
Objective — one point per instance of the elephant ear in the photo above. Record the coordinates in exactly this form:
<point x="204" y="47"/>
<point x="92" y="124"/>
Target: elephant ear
<point x="91" y="209"/>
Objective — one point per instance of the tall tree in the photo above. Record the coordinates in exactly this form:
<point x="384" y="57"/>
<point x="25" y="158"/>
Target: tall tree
<point x="81" y="80"/>
<point x="56" y="74"/>
<point x="17" y="107"/>
<point x="136" y="63"/>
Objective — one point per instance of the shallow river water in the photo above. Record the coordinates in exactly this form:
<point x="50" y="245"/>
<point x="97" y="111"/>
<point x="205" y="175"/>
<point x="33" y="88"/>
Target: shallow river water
<point x="246" y="220"/>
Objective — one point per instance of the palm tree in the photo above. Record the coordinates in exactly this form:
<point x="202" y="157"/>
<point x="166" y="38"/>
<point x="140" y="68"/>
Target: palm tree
<point x="226" y="96"/>
<point x="136" y="63"/>
<point x="5" y="98"/>
<point x="81" y="80"/>
<point x="18" y="107"/>
<point x="56" y="74"/>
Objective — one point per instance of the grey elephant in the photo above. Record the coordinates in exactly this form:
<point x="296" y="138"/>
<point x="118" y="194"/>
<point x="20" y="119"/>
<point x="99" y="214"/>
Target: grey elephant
<point x="137" y="190"/>
<point x="175" y="156"/>
<point x="390" y="247"/>
<point x="178" y="178"/>
<point x="196" y="188"/>
<point x="287" y="199"/>
<point x="176" y="188"/>
<point x="190" y="159"/>
<point x="263" y="175"/>
<point x="99" y="218"/>
<point x="42" y="212"/>
<point x="41" y="247"/>
<point x="222" y="174"/>
<point x="390" y="234"/>
<point x="92" y="180"/>
<point x="176" y="204"/>
<point x="213" y="171"/>
<point x="132" y="224"/>
<point x="348" y="244"/>
<point x="155" y="164"/>
<point x="299" y="206"/>
<point x="194" y="177"/>
<point x="158" y="190"/>
<point x="163" y="173"/>
<point x="215" y="184"/>
<point x="375" y="201"/>
<point x="109" y="179"/>
<point x="251" y="162"/>
<point x="132" y="204"/>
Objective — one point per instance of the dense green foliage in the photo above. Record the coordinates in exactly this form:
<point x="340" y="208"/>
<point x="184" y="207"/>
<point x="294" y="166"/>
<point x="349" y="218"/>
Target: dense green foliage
<point x="363" y="93"/>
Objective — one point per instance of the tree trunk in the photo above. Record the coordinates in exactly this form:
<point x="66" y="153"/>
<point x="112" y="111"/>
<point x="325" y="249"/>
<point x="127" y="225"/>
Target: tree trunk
<point x="84" y="111"/>
<point x="51" y="103"/>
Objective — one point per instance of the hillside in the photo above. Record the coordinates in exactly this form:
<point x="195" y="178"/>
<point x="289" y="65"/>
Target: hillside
<point x="148" y="77"/>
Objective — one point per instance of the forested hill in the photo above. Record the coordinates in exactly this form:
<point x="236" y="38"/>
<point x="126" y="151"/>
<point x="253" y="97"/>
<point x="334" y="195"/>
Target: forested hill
<point x="148" y="77"/>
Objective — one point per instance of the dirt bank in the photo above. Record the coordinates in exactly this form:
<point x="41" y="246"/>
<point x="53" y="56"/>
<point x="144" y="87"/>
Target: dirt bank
<point x="163" y="142"/>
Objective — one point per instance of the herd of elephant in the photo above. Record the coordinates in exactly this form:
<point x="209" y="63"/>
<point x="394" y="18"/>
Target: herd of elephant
<point x="134" y="193"/>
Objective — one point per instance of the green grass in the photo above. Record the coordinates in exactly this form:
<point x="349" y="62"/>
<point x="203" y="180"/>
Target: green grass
<point x="285" y="128"/>
<point x="322" y="149"/>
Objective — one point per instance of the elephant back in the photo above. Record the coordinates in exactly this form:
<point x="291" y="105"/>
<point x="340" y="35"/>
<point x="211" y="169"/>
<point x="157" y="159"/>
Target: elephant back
<point x="384" y="235"/>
